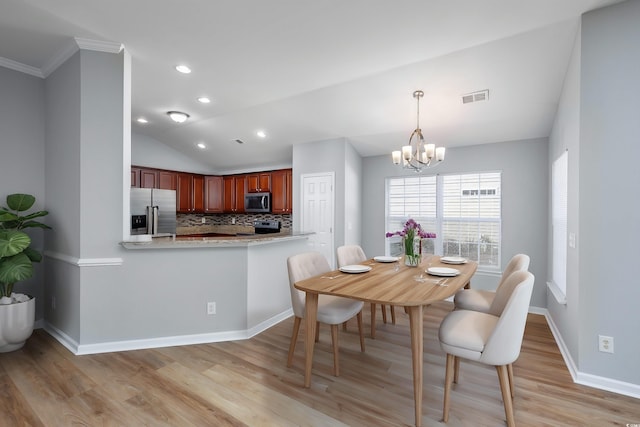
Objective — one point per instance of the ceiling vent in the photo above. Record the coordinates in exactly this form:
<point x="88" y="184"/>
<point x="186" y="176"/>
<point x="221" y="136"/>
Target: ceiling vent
<point x="482" y="95"/>
<point x="239" y="141"/>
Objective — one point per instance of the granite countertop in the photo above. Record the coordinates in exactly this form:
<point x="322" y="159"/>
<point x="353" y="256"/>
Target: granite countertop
<point x="215" y="239"/>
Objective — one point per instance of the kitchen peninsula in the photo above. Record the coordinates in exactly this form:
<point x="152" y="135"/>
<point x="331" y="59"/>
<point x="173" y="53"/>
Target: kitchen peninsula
<point x="189" y="289"/>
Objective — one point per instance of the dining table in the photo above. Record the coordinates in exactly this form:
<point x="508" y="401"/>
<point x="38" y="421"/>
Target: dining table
<point x="385" y="280"/>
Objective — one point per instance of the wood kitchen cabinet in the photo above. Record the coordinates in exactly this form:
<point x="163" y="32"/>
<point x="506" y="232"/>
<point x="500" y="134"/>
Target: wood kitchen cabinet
<point x="281" y="191"/>
<point x="190" y="193"/>
<point x="168" y="180"/>
<point x="213" y="194"/>
<point x="144" y="177"/>
<point x="234" y="189"/>
<point x="259" y="182"/>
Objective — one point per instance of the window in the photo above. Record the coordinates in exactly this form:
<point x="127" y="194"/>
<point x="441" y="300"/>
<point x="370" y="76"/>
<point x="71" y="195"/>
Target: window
<point x="463" y="210"/>
<point x="559" y="186"/>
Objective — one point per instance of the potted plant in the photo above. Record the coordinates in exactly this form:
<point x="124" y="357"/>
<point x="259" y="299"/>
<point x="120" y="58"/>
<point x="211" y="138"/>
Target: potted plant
<point x="17" y="311"/>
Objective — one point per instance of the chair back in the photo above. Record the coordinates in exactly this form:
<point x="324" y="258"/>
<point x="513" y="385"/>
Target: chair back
<point x="519" y="262"/>
<point x="300" y="267"/>
<point x="350" y="254"/>
<point x="512" y="300"/>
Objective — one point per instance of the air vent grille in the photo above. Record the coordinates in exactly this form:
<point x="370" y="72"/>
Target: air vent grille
<point x="239" y="141"/>
<point x="482" y="95"/>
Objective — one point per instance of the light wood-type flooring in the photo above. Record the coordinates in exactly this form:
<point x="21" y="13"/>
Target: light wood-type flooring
<point x="247" y="383"/>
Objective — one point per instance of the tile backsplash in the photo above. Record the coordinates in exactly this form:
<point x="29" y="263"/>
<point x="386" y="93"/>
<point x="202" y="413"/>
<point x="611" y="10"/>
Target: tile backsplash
<point x="195" y="220"/>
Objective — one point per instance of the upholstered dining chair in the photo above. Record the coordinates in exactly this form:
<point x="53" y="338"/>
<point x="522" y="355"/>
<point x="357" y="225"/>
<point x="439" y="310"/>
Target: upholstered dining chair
<point x="480" y="300"/>
<point x="353" y="254"/>
<point x="492" y="338"/>
<point x="332" y="310"/>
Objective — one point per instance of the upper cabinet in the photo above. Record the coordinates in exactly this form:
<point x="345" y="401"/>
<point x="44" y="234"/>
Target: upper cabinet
<point x="281" y="191"/>
<point x="144" y="177"/>
<point x="259" y="182"/>
<point x="190" y="193"/>
<point x="213" y="194"/>
<point x="168" y="180"/>
<point x="234" y="189"/>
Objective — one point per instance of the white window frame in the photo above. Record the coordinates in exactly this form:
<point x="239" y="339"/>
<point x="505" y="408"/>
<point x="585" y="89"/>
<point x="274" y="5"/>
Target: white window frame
<point x="559" y="226"/>
<point x="437" y="221"/>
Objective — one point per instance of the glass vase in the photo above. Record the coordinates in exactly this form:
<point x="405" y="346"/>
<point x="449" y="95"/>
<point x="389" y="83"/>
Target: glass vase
<point x="412" y="252"/>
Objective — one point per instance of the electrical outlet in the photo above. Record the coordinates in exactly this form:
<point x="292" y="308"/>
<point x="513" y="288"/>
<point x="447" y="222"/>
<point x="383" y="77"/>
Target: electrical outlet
<point x="204" y="220"/>
<point x="233" y="221"/>
<point x="605" y="344"/>
<point x="211" y="307"/>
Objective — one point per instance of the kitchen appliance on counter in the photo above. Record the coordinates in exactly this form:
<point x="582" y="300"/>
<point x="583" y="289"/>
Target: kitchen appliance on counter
<point x="265" y="227"/>
<point x="153" y="211"/>
<point x="257" y="202"/>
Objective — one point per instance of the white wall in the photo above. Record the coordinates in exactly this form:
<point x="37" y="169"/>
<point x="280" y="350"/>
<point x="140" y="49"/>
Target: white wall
<point x="524" y="201"/>
<point x="22" y="157"/>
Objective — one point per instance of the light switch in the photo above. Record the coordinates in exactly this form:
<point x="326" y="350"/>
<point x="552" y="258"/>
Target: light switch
<point x="572" y="240"/>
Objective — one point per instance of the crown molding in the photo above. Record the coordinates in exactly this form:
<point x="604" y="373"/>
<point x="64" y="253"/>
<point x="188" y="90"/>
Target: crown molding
<point x="73" y="46"/>
<point x="18" y="66"/>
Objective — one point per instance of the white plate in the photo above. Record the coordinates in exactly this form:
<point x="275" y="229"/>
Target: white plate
<point x="356" y="268"/>
<point x="385" y="258"/>
<point x="453" y="260"/>
<point x="442" y="271"/>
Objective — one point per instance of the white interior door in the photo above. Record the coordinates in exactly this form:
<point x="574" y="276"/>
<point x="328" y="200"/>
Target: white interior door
<point x="317" y="212"/>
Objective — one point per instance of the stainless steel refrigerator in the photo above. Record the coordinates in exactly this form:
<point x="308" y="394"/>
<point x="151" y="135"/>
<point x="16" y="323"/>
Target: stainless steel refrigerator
<point x="153" y="211"/>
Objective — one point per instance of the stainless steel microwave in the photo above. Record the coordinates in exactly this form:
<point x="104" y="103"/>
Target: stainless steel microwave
<point x="257" y="202"/>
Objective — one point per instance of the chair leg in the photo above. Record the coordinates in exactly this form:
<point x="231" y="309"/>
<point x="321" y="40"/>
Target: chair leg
<point x="359" y="317"/>
<point x="384" y="313"/>
<point x="503" y="376"/>
<point x="334" y="340"/>
<point x="393" y="314"/>
<point x="448" y="377"/>
<point x="294" y="338"/>
<point x="456" y="369"/>
<point x="512" y="385"/>
<point x="344" y="325"/>
<point x="373" y="321"/>
<point x="317" y="331"/>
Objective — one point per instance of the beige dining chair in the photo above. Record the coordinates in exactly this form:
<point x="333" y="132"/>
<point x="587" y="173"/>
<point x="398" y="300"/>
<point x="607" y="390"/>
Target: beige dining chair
<point x="332" y="310"/>
<point x="480" y="300"/>
<point x="353" y="254"/>
<point x="493" y="338"/>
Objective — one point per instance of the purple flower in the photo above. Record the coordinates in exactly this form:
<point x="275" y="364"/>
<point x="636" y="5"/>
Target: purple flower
<point x="410" y="230"/>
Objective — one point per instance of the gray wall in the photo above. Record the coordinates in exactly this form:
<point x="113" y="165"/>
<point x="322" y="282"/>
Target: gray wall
<point x="609" y="175"/>
<point x="22" y="156"/>
<point x="524" y="201"/>
<point x="146" y="151"/>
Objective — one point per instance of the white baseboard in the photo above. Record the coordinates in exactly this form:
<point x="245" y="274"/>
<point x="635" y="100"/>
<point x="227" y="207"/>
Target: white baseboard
<point x="108" y="347"/>
<point x="583" y="378"/>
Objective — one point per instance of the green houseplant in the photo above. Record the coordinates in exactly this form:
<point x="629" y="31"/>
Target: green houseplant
<point x="17" y="311"/>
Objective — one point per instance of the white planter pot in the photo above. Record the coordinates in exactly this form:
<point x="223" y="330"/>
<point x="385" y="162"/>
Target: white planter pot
<point x="16" y="324"/>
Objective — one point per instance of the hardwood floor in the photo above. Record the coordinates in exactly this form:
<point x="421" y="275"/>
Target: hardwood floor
<point x="247" y="383"/>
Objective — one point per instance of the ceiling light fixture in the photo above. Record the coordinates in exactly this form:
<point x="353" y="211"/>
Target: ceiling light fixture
<point x="183" y="69"/>
<point x="178" y="116"/>
<point x="142" y="120"/>
<point x="418" y="155"/>
<point x="204" y="100"/>
<point x="261" y="134"/>
<point x="201" y="145"/>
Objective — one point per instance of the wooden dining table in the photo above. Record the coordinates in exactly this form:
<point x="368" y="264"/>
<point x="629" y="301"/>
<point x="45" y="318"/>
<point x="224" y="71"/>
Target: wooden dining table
<point x="388" y="283"/>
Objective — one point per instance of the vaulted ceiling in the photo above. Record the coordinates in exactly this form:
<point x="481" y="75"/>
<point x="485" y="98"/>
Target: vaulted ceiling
<point x="311" y="70"/>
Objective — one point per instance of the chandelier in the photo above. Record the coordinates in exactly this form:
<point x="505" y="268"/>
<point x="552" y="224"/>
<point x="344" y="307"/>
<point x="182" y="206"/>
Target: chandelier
<point x="418" y="155"/>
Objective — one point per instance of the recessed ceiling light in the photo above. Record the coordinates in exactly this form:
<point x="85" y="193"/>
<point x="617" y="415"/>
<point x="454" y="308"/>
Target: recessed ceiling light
<point x="183" y="69"/>
<point x="178" y="116"/>
<point x="201" y="145"/>
<point x="204" y="100"/>
<point x="142" y="120"/>
<point x="261" y="134"/>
